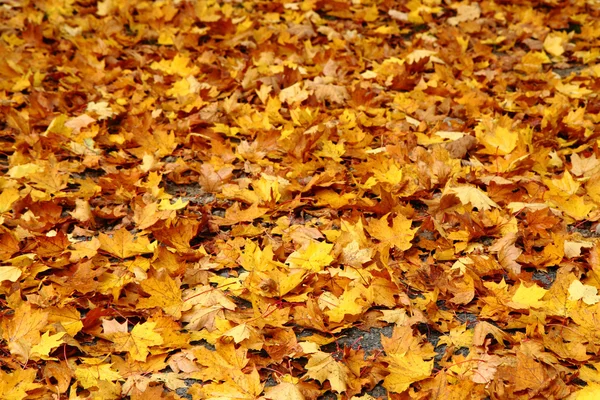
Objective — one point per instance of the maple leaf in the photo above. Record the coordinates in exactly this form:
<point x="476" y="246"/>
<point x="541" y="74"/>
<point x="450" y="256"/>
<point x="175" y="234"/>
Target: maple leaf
<point x="138" y="341"/>
<point x="352" y="302"/>
<point x="323" y="367"/>
<point x="284" y="390"/>
<point x="174" y="182"/>
<point x="243" y="386"/>
<point x="398" y="235"/>
<point x="496" y="136"/>
<point x="353" y="255"/>
<point x="530" y="374"/>
<point x="239" y="333"/>
<point x="164" y="294"/>
<point x="122" y="244"/>
<point x="226" y="362"/>
<point x="92" y="371"/>
<point x="46" y="345"/>
<point x="487" y="366"/>
<point x="465" y="12"/>
<point x="102" y="109"/>
<point x="553" y="44"/>
<point x="293" y="94"/>
<point x="7" y="198"/>
<point x="539" y="221"/>
<point x="202" y="305"/>
<point x="590" y="392"/>
<point x="472" y="195"/>
<point x="587" y="293"/>
<point x="313" y="258"/>
<point x="405" y="369"/>
<point x="11" y="274"/>
<point x="22" y="331"/>
<point x="15" y="385"/>
<point x="528" y="296"/>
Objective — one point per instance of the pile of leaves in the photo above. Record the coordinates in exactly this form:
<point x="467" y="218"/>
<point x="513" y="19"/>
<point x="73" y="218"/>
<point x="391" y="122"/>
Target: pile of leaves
<point x="207" y="199"/>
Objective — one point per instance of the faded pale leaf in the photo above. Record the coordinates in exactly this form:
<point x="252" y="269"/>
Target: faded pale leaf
<point x="587" y="293"/>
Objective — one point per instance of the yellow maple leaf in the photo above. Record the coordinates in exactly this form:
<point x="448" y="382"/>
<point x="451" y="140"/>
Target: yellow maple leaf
<point x="497" y="136"/>
<point x="122" y="244"/>
<point x="590" y="392"/>
<point x="239" y="387"/>
<point x="267" y="188"/>
<point x="293" y="94"/>
<point x="203" y="304"/>
<point x="164" y="294"/>
<point x="239" y="333"/>
<point x="102" y="109"/>
<point x="459" y="336"/>
<point x="226" y="362"/>
<point x="9" y="274"/>
<point x="138" y="341"/>
<point x="46" y="345"/>
<point x="565" y="186"/>
<point x="22" y="331"/>
<point x="332" y="150"/>
<point x="15" y="385"/>
<point x="353" y="255"/>
<point x="470" y="194"/>
<point x="353" y="301"/>
<point x="575" y="206"/>
<point x="405" y="369"/>
<point x="22" y="170"/>
<point x="314" y="257"/>
<point x="526" y="297"/>
<point x="177" y="66"/>
<point x="92" y="371"/>
<point x="465" y="12"/>
<point x="284" y="390"/>
<point x="584" y="166"/>
<point x="234" y="214"/>
<point x="554" y="43"/>
<point x="398" y="235"/>
<point x="323" y="367"/>
<point x="7" y="198"/>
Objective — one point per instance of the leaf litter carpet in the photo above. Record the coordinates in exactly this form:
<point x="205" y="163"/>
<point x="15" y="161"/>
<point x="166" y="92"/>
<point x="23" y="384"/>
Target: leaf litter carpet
<point x="299" y="199"/>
